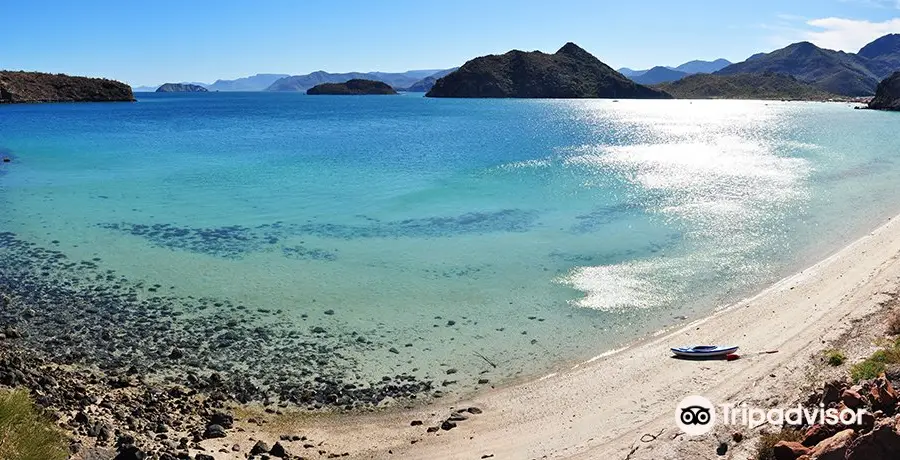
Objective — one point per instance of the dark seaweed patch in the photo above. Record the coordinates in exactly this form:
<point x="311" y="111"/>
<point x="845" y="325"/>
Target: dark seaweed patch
<point x="602" y="216"/>
<point x="507" y="220"/>
<point x="74" y="312"/>
<point x="229" y="242"/>
<point x="235" y="241"/>
<point x="304" y="253"/>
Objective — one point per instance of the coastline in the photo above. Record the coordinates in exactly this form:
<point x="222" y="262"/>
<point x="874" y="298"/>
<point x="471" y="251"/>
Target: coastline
<point x="599" y="408"/>
<point x="602" y="407"/>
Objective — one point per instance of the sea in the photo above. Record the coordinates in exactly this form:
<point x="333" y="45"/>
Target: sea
<point x="468" y="243"/>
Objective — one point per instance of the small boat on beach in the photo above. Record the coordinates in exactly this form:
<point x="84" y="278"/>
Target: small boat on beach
<point x="704" y="351"/>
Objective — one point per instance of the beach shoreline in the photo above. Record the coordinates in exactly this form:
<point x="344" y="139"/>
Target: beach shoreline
<point x="601" y="408"/>
<point x="598" y="408"/>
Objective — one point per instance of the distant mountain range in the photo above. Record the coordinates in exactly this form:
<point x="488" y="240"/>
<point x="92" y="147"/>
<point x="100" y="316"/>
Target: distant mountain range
<point x="661" y="74"/>
<point x="837" y="72"/>
<point x="400" y="81"/>
<point x="419" y="80"/>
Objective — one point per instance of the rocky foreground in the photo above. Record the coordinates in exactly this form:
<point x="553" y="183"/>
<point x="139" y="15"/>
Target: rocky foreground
<point x="877" y="437"/>
<point x="23" y="87"/>
<point x="887" y="96"/>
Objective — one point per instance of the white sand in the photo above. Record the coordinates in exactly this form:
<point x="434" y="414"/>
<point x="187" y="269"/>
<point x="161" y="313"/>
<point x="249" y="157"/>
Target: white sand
<point x="601" y="408"/>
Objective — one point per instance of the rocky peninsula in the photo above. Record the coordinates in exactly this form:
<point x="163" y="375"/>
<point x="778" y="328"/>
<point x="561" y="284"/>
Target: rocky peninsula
<point x="24" y="87"/>
<point x="569" y="73"/>
<point x="181" y="88"/>
<point x="887" y="95"/>
<point x="353" y="87"/>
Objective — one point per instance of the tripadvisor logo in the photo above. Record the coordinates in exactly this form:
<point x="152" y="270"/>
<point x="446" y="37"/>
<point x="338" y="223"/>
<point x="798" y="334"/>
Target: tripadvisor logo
<point x="697" y="415"/>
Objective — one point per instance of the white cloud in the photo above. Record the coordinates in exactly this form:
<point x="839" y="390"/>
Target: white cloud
<point x="848" y="34"/>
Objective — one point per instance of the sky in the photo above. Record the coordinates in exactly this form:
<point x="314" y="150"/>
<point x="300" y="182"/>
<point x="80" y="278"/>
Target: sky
<point x="148" y="43"/>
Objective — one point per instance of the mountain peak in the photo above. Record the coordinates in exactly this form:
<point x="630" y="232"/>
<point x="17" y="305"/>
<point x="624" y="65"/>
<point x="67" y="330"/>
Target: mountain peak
<point x="572" y="49"/>
<point x="888" y="44"/>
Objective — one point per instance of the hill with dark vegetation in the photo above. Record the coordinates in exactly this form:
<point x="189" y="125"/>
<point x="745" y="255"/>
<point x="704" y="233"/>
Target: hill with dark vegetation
<point x="659" y="75"/>
<point x="836" y="72"/>
<point x="16" y="87"/>
<point x="352" y="87"/>
<point x="744" y="86"/>
<point x="887" y="95"/>
<point x="181" y="88"/>
<point x="569" y="73"/>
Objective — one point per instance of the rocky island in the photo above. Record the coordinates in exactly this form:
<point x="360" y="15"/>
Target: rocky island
<point x="181" y="88"/>
<point x="19" y="87"/>
<point x="887" y="95"/>
<point x="569" y="73"/>
<point x="769" y="85"/>
<point x="355" y="86"/>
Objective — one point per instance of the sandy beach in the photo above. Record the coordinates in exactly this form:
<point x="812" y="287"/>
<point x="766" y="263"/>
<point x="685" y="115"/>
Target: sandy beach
<point x="601" y="408"/>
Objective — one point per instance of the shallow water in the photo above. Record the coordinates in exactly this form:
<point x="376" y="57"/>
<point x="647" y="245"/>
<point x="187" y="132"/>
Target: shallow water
<point x="494" y="237"/>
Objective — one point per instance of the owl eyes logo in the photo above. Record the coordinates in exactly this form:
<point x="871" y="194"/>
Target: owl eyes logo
<point x="695" y="415"/>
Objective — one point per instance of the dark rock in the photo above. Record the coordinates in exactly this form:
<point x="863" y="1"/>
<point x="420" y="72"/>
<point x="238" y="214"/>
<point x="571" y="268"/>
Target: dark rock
<point x="451" y="371"/>
<point x="176" y="354"/>
<point x="224" y="420"/>
<point x="214" y="431"/>
<point x="82" y="419"/>
<point x="722" y="449"/>
<point x="278" y="451"/>
<point x="448" y="425"/>
<point x="131" y="453"/>
<point x="259" y="448"/>
<point x="432" y="429"/>
<point x="569" y="73"/>
<point x="887" y="94"/>
<point x="457" y="417"/>
<point x="329" y="312"/>
<point x="474" y="410"/>
<point x="415" y="423"/>
<point x="204" y="457"/>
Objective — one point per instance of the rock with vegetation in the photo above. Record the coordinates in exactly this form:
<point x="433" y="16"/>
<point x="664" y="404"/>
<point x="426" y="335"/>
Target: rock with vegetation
<point x="181" y="88"/>
<point x="17" y="87"/>
<point x="887" y="97"/>
<point x="355" y="87"/>
<point x="25" y="432"/>
<point x="744" y="86"/>
<point x="836" y="72"/>
<point x="571" y="72"/>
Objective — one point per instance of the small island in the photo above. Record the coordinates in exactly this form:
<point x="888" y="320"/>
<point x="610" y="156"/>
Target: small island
<point x="181" y="88"/>
<point x="887" y="95"/>
<point x="24" y="87"/>
<point x="571" y="72"/>
<point x="353" y="87"/>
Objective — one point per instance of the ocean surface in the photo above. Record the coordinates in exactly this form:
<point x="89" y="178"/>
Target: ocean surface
<point x="455" y="241"/>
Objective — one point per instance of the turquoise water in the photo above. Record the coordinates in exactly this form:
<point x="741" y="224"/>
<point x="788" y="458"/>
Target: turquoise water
<point x="495" y="237"/>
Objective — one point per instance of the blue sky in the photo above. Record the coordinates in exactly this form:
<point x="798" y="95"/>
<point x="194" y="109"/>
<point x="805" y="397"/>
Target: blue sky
<point x="159" y="41"/>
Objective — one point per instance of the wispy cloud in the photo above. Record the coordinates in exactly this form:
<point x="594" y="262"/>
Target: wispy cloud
<point x="848" y="34"/>
<point x="832" y="33"/>
<point x="876" y="3"/>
